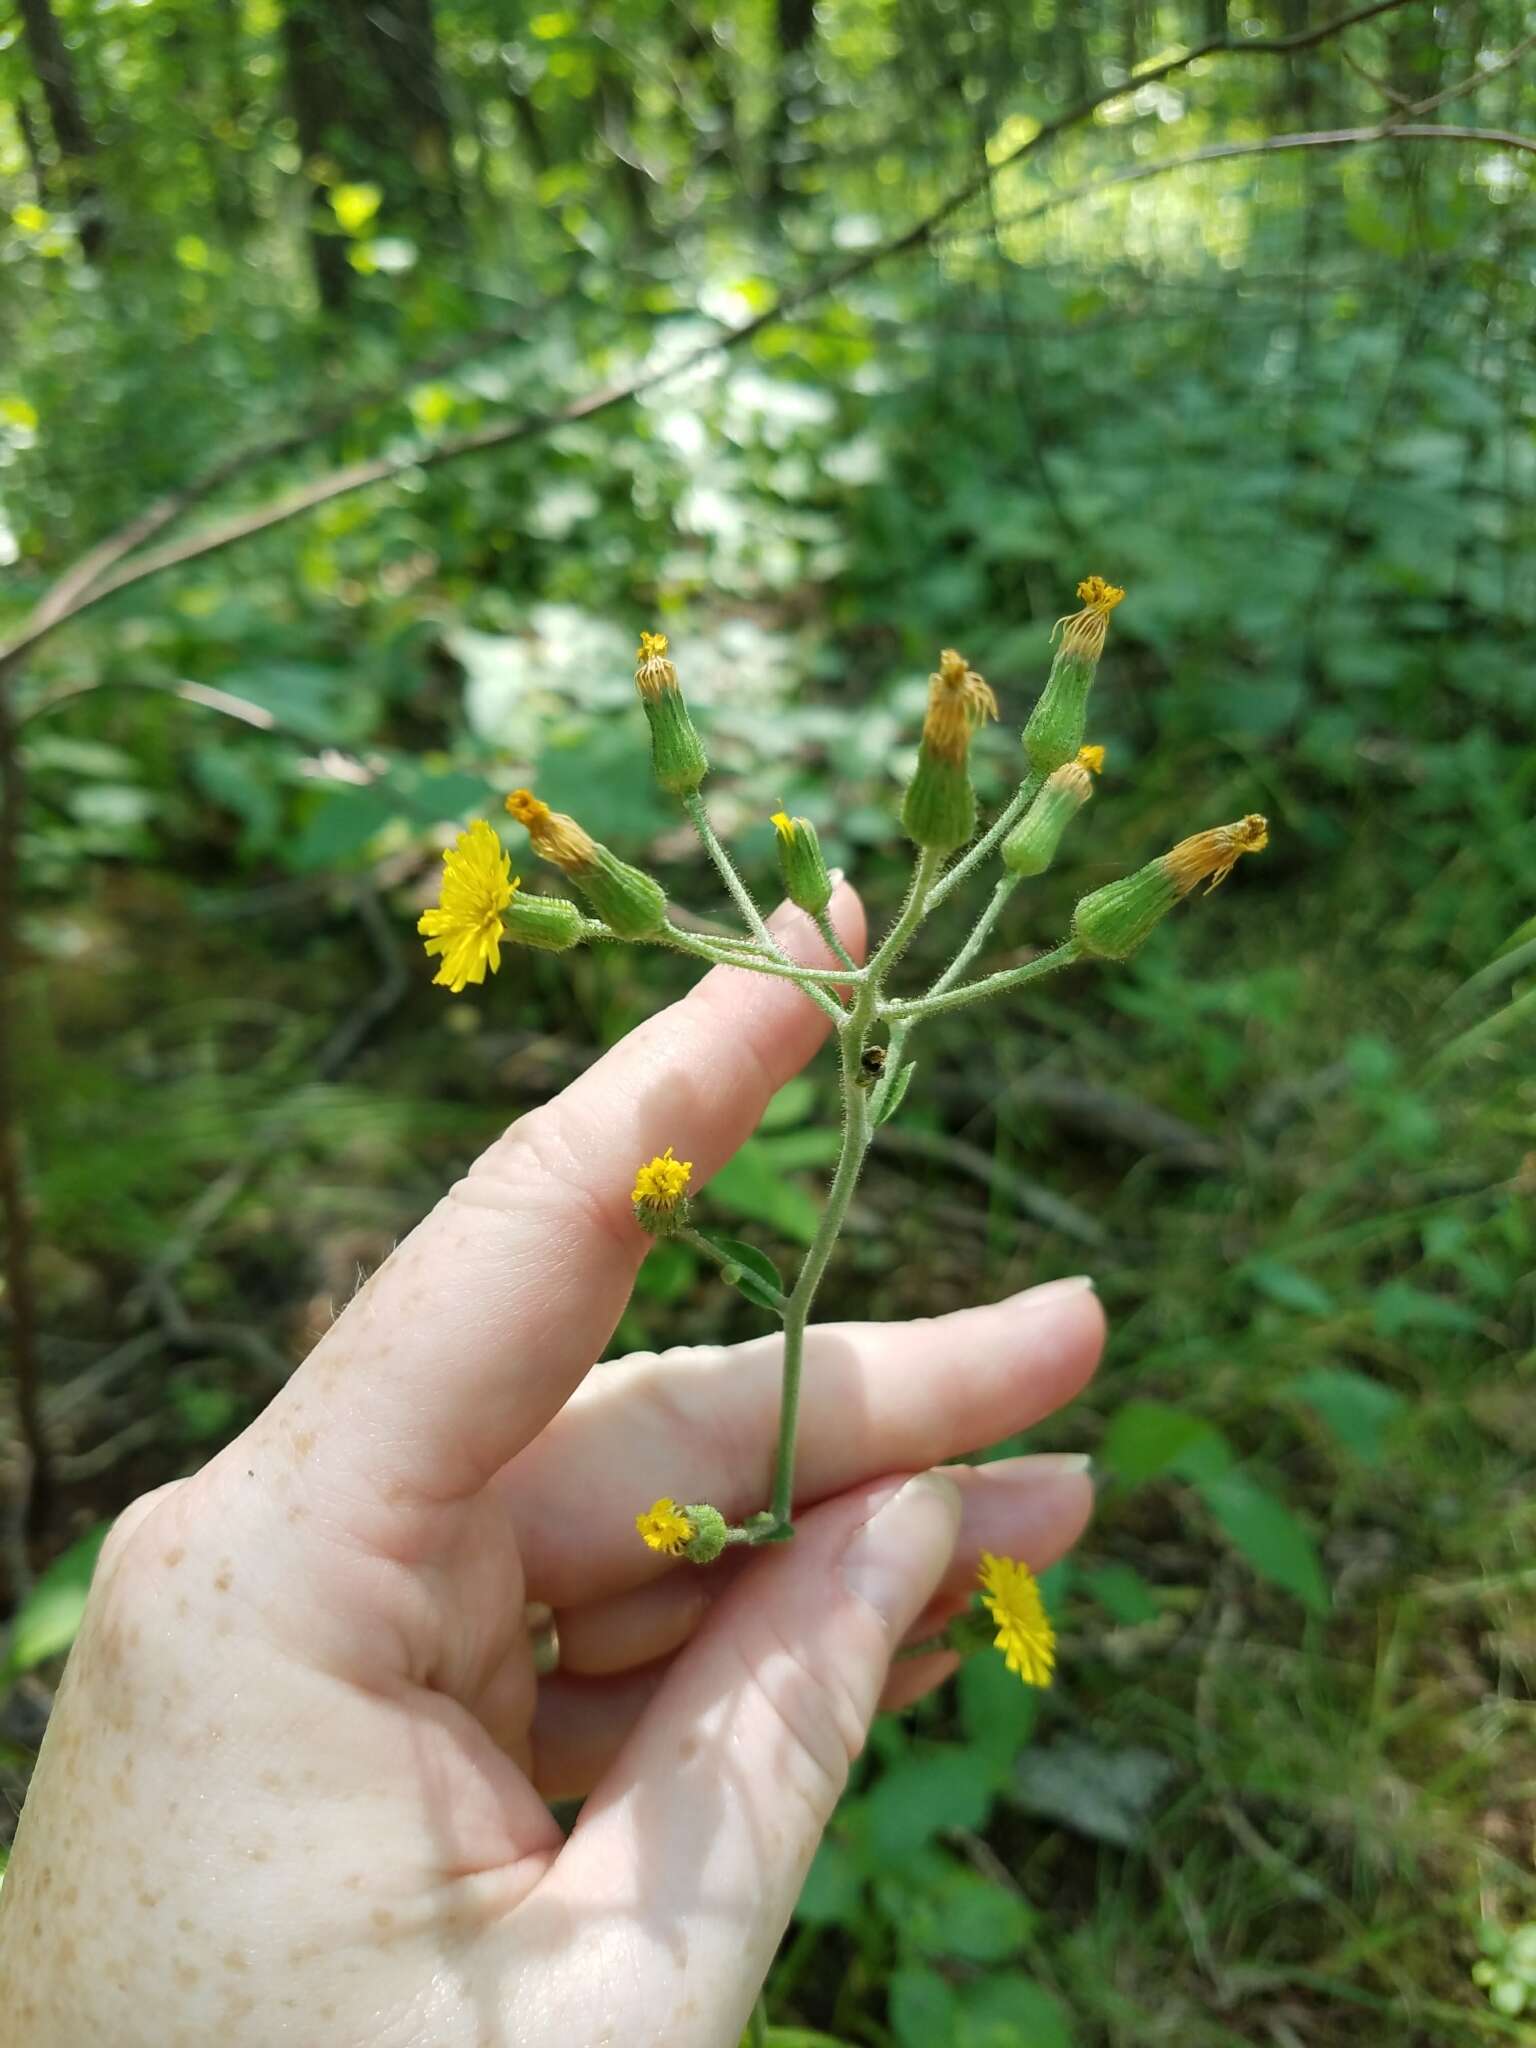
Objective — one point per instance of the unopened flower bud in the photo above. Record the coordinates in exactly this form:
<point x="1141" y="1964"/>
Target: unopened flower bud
<point x="1031" y="846"/>
<point x="1114" y="920"/>
<point x="939" y="809"/>
<point x="677" y="752"/>
<point x="1055" y="729"/>
<point x="660" y="1194"/>
<point x="629" y="902"/>
<point x="711" y="1533"/>
<point x="545" y="921"/>
<point x="806" y="881"/>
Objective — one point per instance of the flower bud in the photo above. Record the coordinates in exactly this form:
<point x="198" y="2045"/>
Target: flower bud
<point x="629" y="902"/>
<point x="677" y="752"/>
<point x="1114" y="920"/>
<point x="711" y="1533"/>
<point x="545" y="921"/>
<point x="1031" y="846"/>
<point x="660" y="1194"/>
<point x="939" y="809"/>
<point x="1055" y="729"/>
<point x="806" y="881"/>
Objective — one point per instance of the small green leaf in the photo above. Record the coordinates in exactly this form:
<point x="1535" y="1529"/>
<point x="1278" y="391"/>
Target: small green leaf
<point x="1291" y="1289"/>
<point x="1148" y="1438"/>
<point x="897" y="1092"/>
<point x="1123" y="1593"/>
<point x="1269" y="1536"/>
<point x="1006" y="2010"/>
<point x="48" y="1620"/>
<point x="751" y="1185"/>
<point x="833" y="1886"/>
<point x="1358" y="1410"/>
<point x="928" y="1791"/>
<point x="750" y="1271"/>
<point x="923" y="2009"/>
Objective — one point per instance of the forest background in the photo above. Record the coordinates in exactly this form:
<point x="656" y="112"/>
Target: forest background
<point x="370" y="372"/>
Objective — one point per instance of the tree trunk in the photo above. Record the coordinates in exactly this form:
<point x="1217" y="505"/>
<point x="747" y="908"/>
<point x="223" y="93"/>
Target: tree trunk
<point x="313" y="82"/>
<point x="73" y="135"/>
<point x="795" y="24"/>
<point x="400" y="38"/>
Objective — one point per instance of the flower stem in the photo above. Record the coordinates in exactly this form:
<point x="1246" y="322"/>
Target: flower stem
<point x="1003" y="823"/>
<point x="828" y="932"/>
<point x="919" y="1007"/>
<point x="700" y="1243"/>
<point x="978" y="938"/>
<point x="740" y="895"/>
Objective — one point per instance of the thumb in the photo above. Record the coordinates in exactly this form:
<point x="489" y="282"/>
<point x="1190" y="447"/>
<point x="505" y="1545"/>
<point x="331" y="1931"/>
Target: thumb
<point x="711" y="1813"/>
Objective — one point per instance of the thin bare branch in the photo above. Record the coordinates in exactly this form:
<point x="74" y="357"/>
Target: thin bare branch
<point x="360" y="475"/>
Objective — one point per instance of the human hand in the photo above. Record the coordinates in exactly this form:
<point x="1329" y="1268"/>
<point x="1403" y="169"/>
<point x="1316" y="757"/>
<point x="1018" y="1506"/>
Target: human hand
<point x="294" y="1786"/>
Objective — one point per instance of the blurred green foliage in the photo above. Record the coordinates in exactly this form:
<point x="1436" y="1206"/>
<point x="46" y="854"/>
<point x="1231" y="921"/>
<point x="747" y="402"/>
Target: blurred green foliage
<point x="1286" y="399"/>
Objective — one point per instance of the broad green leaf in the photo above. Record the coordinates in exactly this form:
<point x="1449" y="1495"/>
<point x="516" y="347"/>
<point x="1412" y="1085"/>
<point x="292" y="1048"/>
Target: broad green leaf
<point x="1148" y="1438"/>
<point x="967" y="1916"/>
<point x="1123" y="1593"/>
<point x="1359" y="1411"/>
<point x="833" y="1886"/>
<point x="750" y="1271"/>
<point x="1269" y="1536"/>
<point x="997" y="1712"/>
<point x="924" y="1793"/>
<point x="924" y="2010"/>
<point x="792" y="1105"/>
<point x="1282" y="1283"/>
<point x="1006" y="2010"/>
<point x="752" y="1185"/>
<point x="48" y="1619"/>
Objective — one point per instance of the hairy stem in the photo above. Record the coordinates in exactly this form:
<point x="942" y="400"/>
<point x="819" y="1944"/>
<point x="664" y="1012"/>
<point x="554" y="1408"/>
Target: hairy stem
<point x="702" y="1245"/>
<point x="920" y="1007"/>
<point x="1002" y="824"/>
<point x="740" y="895"/>
<point x="807" y="979"/>
<point x="850" y="1159"/>
<point x="978" y="938"/>
<point x="828" y="932"/>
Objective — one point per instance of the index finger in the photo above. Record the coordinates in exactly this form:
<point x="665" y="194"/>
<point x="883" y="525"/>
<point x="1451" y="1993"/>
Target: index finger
<point x="476" y="1329"/>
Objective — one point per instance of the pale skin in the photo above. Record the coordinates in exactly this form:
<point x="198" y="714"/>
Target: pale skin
<point x="294" y="1789"/>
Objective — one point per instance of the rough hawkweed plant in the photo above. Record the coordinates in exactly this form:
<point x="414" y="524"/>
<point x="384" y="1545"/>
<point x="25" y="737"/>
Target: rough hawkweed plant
<point x="480" y="908"/>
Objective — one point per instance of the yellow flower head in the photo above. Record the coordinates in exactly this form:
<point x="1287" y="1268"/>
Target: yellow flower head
<point x="1091" y="758"/>
<point x="653" y="672"/>
<point x="665" y="1527"/>
<point x="1082" y="633"/>
<point x="662" y="1182"/>
<point x="556" y="838"/>
<point x="783" y="824"/>
<point x="959" y="701"/>
<point x="1011" y="1595"/>
<point x="1215" y="853"/>
<point x="466" y="927"/>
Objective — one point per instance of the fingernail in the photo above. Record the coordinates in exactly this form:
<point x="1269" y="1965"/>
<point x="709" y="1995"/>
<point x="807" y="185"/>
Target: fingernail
<point x="894" y="1560"/>
<point x="1058" y="1290"/>
<point x="836" y="877"/>
<point x="1069" y="1464"/>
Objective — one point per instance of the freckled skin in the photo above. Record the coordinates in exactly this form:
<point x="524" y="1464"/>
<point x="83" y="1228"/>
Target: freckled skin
<point x="290" y="1793"/>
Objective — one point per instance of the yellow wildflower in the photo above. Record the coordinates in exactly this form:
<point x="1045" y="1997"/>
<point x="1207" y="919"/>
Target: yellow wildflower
<point x="556" y="837"/>
<point x="1083" y="632"/>
<point x="466" y="927"/>
<point x="1215" y="853"/>
<point x="665" y="1527"/>
<point x="783" y="824"/>
<point x="1091" y="758"/>
<point x="653" y="672"/>
<point x="1011" y="1595"/>
<point x="959" y="701"/>
<point x="662" y="1182"/>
